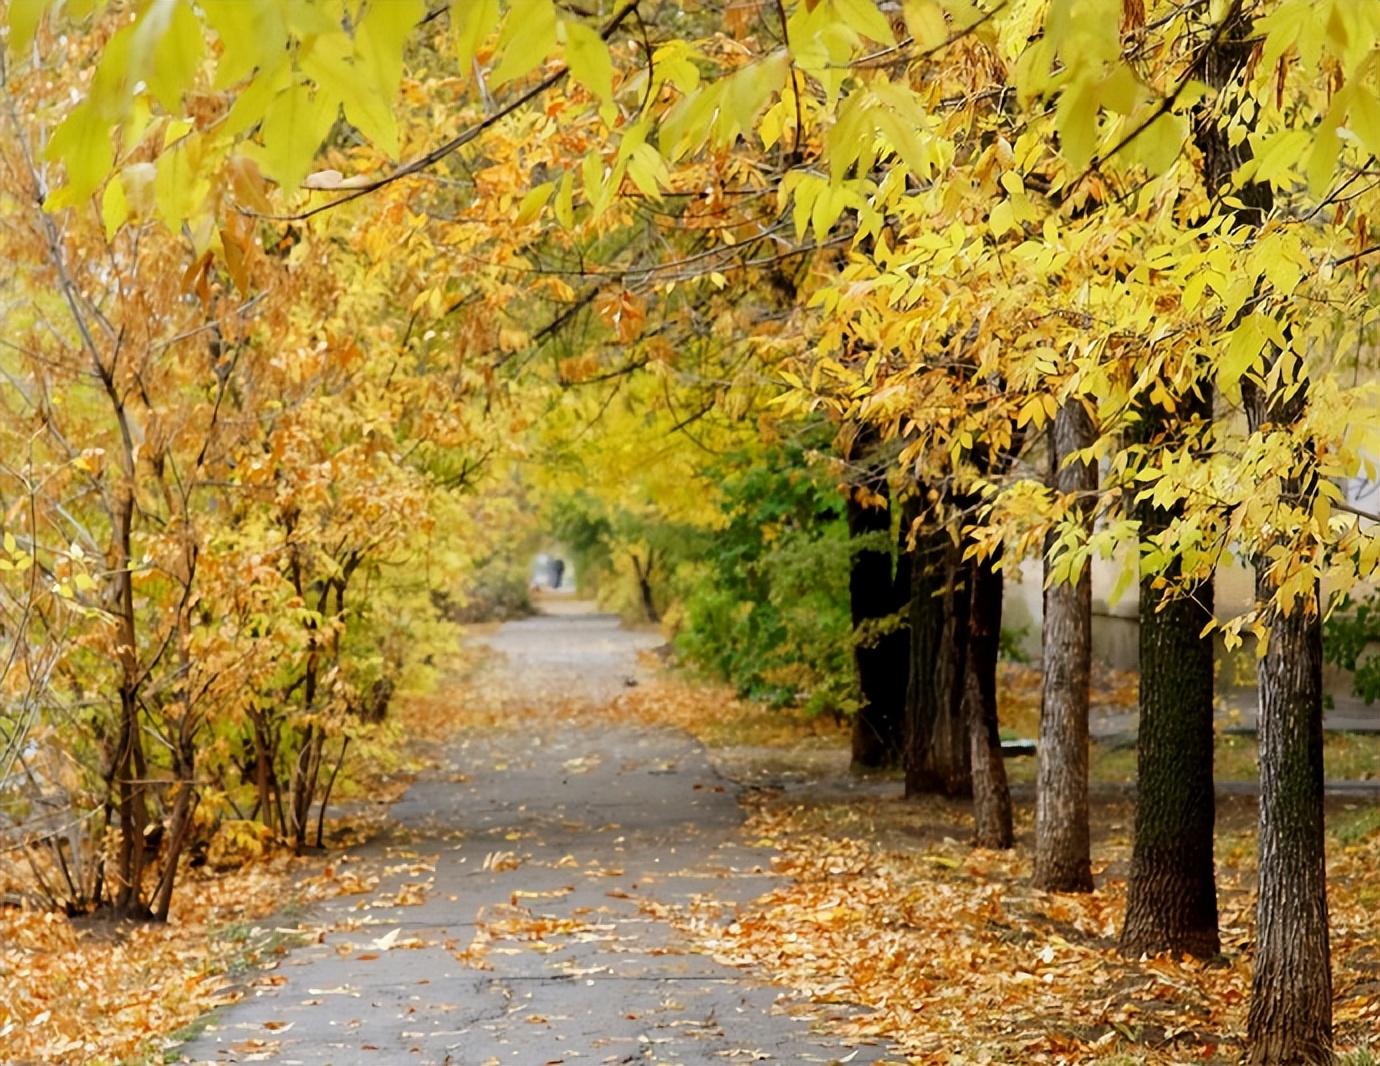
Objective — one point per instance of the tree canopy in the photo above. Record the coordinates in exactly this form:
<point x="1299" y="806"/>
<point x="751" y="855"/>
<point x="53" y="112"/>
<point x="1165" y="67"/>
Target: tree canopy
<point x="300" y="283"/>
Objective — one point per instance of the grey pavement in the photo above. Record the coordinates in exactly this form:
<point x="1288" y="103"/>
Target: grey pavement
<point x="542" y="856"/>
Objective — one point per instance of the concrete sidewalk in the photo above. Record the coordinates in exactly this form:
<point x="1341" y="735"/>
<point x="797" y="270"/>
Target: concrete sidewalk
<point x="541" y="856"/>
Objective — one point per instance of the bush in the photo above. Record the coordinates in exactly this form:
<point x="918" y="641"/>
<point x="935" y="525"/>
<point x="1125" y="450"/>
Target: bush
<point x="1350" y="637"/>
<point x="497" y="592"/>
<point x="766" y="603"/>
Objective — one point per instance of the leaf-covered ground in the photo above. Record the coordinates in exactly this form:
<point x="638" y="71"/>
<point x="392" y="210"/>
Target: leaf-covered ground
<point x="957" y="958"/>
<point x="93" y="991"/>
<point x="886" y="924"/>
<point x="96" y="991"/>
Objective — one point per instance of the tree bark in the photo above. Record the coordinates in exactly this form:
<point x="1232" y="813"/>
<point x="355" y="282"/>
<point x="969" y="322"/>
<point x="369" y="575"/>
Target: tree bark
<point x="644" y="586"/>
<point x="991" y="795"/>
<point x="130" y="766"/>
<point x="1290" y="1018"/>
<point x="937" y="752"/>
<point x="880" y="657"/>
<point x="1062" y="847"/>
<point x="1171" y="902"/>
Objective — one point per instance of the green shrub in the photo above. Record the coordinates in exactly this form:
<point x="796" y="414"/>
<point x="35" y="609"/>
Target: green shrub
<point x="766" y="602"/>
<point x="1350" y="639"/>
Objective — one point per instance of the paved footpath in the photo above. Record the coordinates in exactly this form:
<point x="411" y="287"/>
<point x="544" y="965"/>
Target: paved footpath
<point x="541" y="853"/>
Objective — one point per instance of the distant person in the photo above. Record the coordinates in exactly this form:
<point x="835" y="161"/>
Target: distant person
<point x="557" y="573"/>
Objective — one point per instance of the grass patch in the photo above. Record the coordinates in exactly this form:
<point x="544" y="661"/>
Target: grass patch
<point x="1346" y="757"/>
<point x="1355" y="825"/>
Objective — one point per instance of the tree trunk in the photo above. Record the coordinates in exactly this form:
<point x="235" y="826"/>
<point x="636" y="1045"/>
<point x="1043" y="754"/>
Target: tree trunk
<point x="991" y="796"/>
<point x="1171" y="900"/>
<point x="937" y="757"/>
<point x="1290" y="1019"/>
<point x="644" y="586"/>
<point x="326" y="796"/>
<point x="306" y="772"/>
<point x="184" y="806"/>
<point x="264" y="758"/>
<point x="1062" y="850"/>
<point x="880" y="657"/>
<point x="130" y="766"/>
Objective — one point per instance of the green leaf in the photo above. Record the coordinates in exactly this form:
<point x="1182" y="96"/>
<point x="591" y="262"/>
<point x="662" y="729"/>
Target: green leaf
<point x="24" y="16"/>
<point x="1322" y="159"/>
<point x="565" y="200"/>
<point x="1002" y="219"/>
<point x="253" y="101"/>
<point x="587" y="56"/>
<point x="746" y="93"/>
<point x="533" y="202"/>
<point x="592" y="176"/>
<point x="898" y="121"/>
<point x="82" y="143"/>
<point x="380" y="37"/>
<point x="863" y="17"/>
<point x="294" y="126"/>
<point x="1245" y="346"/>
<point x="83" y="139"/>
<point x="648" y="171"/>
<point x="114" y="208"/>
<point x="1364" y="118"/>
<point x="844" y="140"/>
<point x="1076" y="121"/>
<point x="333" y="63"/>
<point x="251" y="35"/>
<point x="176" y="53"/>
<point x="529" y="35"/>
<point x="471" y="21"/>
<point x="1158" y="145"/>
<point x="177" y="189"/>
<point x="925" y="22"/>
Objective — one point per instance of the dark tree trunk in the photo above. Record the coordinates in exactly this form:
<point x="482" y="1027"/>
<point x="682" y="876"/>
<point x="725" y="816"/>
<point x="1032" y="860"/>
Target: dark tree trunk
<point x="991" y="796"/>
<point x="1062" y="850"/>
<point x="184" y="806"/>
<point x="880" y="643"/>
<point x="1290" y="1019"/>
<point x="936" y="732"/>
<point x="1171" y="900"/>
<point x="326" y="796"/>
<point x="644" y="586"/>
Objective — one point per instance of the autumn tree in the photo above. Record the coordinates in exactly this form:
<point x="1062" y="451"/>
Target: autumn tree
<point x="1004" y="232"/>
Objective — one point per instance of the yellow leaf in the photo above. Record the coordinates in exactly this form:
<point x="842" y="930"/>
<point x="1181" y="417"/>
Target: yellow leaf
<point x="176" y="53"/>
<point x="863" y="17"/>
<point x="533" y="202"/>
<point x="587" y="56"/>
<point x="471" y="21"/>
<point x="114" y="207"/>
<point x="528" y="36"/>
<point x="925" y="22"/>
<point x="293" y="128"/>
<point x="24" y="16"/>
